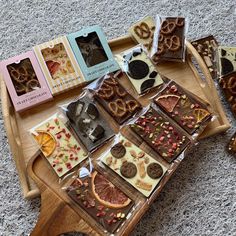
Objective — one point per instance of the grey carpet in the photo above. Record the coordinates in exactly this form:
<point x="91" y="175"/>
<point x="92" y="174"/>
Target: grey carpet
<point x="200" y="199"/>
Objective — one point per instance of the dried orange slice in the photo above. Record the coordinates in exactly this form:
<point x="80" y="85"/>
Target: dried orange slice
<point x="108" y="194"/>
<point x="200" y="114"/>
<point x="168" y="102"/>
<point x="46" y="141"/>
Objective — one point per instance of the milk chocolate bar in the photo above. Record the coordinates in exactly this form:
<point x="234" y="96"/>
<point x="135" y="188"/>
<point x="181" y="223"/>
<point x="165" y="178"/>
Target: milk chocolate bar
<point x="226" y="60"/>
<point x="161" y="134"/>
<point x="88" y="123"/>
<point x="171" y="39"/>
<point x="116" y="100"/>
<point x="206" y="47"/>
<point x="140" y="70"/>
<point x="182" y="107"/>
<point x="135" y="166"/>
<point x="228" y="84"/>
<point x="102" y="200"/>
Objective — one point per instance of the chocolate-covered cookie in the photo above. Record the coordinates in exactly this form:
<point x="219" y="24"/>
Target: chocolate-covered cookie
<point x="154" y="170"/>
<point x="128" y="169"/>
<point x="138" y="69"/>
<point x="118" y="151"/>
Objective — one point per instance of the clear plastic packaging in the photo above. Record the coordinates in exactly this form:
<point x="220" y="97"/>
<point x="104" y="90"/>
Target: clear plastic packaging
<point x="169" y="39"/>
<point x="139" y="69"/>
<point x="87" y="121"/>
<point x="58" y="145"/>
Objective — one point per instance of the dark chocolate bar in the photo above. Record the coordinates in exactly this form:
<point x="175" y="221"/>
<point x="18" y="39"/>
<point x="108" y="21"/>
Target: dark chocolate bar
<point x="228" y="84"/>
<point x="103" y="201"/>
<point x="161" y="134"/>
<point x="88" y="123"/>
<point x="116" y="100"/>
<point x="171" y="39"/>
<point x="182" y="107"/>
<point x="232" y="144"/>
<point x="206" y="47"/>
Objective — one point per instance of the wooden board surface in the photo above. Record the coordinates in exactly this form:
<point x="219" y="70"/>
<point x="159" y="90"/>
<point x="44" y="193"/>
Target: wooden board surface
<point x="17" y="125"/>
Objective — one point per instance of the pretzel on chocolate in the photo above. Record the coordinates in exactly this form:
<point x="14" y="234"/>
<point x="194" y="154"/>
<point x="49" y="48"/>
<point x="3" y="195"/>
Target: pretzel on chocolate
<point x="143" y="30"/>
<point x="32" y="85"/>
<point x="106" y="91"/>
<point x="179" y="22"/>
<point x="118" y="108"/>
<point x="231" y="85"/>
<point x="167" y="27"/>
<point x="110" y="81"/>
<point x="20" y="75"/>
<point x="173" y="43"/>
<point x="119" y="92"/>
<point x="161" y="38"/>
<point x="132" y="105"/>
<point x="20" y="88"/>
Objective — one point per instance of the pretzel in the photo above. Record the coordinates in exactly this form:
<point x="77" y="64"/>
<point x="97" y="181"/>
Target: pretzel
<point x="20" y="88"/>
<point x="179" y="22"/>
<point x="155" y="58"/>
<point x="119" y="92"/>
<point x="110" y="81"/>
<point x="143" y="31"/>
<point x="132" y="105"/>
<point x="32" y="85"/>
<point x="19" y="75"/>
<point x="172" y="43"/>
<point x="231" y="85"/>
<point x="161" y="38"/>
<point x="160" y="49"/>
<point x="167" y="27"/>
<point x="106" y="91"/>
<point x="118" y="108"/>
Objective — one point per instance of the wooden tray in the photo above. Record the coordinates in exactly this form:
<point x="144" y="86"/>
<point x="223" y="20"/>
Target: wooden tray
<point x="185" y="74"/>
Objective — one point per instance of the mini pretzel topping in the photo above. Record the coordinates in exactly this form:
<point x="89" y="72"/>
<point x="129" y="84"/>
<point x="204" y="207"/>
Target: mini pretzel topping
<point x="231" y="85"/>
<point x="118" y="108"/>
<point x="167" y="27"/>
<point x="179" y="22"/>
<point x="142" y="30"/>
<point x="132" y="105"/>
<point x="172" y="43"/>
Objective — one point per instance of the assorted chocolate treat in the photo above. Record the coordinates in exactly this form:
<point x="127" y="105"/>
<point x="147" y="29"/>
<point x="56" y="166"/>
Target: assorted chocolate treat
<point x="116" y="100"/>
<point x="143" y="32"/>
<point x="232" y="144"/>
<point x="226" y="60"/>
<point x="207" y="47"/>
<point x="161" y="134"/>
<point x="170" y="39"/>
<point x="135" y="166"/>
<point x="88" y="123"/>
<point x="140" y="70"/>
<point x="228" y="84"/>
<point x="101" y="199"/>
<point x="182" y="107"/>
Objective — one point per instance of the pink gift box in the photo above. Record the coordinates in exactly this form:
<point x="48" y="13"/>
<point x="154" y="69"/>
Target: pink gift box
<point x="25" y="81"/>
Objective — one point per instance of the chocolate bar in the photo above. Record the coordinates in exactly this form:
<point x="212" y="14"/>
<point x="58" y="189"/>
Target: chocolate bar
<point x="102" y="200"/>
<point x="182" y="107"/>
<point x="58" y="145"/>
<point x="135" y="166"/>
<point x="206" y="47"/>
<point x="140" y="70"/>
<point x="228" y="84"/>
<point x="116" y="100"/>
<point x="232" y="144"/>
<point x="161" y="134"/>
<point x="88" y="123"/>
<point x="226" y="60"/>
<point x="143" y="32"/>
<point x="171" y="39"/>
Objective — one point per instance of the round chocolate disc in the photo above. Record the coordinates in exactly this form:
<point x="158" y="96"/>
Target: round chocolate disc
<point x="154" y="170"/>
<point x="118" y="151"/>
<point x="138" y="69"/>
<point x="128" y="169"/>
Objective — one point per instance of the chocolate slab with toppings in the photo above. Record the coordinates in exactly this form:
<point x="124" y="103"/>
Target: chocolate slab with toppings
<point x="161" y="134"/>
<point x="116" y="100"/>
<point x="182" y="107"/>
<point x="206" y="47"/>
<point x="103" y="201"/>
<point x="171" y="39"/>
<point x="88" y="123"/>
<point x="135" y="166"/>
<point x="226" y="60"/>
<point x="228" y="84"/>
<point x="232" y="144"/>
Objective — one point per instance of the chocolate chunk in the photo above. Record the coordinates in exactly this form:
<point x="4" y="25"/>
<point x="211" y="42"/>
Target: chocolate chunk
<point x="147" y="84"/>
<point x="223" y="52"/>
<point x="92" y="111"/>
<point x="227" y="66"/>
<point x="128" y="170"/>
<point x="97" y="133"/>
<point x="135" y="54"/>
<point x="118" y="151"/>
<point x="153" y="74"/>
<point x="138" y="69"/>
<point x="154" y="170"/>
<point x="83" y="124"/>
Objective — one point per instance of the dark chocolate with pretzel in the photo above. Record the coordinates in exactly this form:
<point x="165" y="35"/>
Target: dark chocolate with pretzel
<point x="228" y="84"/>
<point x="170" y="39"/>
<point x="116" y="100"/>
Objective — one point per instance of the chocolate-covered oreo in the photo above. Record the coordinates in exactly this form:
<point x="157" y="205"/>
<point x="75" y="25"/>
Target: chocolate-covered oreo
<point x="154" y="170"/>
<point x="138" y="69"/>
<point x="92" y="111"/>
<point x="97" y="133"/>
<point x="118" y="151"/>
<point x="128" y="169"/>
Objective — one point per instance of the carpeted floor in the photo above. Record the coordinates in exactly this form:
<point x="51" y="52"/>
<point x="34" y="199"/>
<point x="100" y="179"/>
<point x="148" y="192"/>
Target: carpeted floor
<point x="200" y="199"/>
